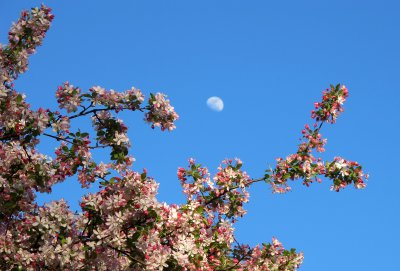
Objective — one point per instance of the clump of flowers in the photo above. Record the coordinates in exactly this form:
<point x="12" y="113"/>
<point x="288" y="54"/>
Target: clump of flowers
<point x="303" y="165"/>
<point x="331" y="105"/>
<point x="345" y="172"/>
<point x="24" y="36"/>
<point x="130" y="99"/>
<point x="161" y="113"/>
<point x="69" y="97"/>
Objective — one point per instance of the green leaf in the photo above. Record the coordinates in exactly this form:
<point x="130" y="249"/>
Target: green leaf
<point x="135" y="236"/>
<point x="199" y="209"/>
<point x="103" y="183"/>
<point x="19" y="99"/>
<point x="286" y="176"/>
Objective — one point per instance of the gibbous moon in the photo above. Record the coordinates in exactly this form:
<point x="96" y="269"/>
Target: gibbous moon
<point x="215" y="103"/>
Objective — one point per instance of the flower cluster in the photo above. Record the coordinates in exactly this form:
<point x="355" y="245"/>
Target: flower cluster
<point x="127" y="217"/>
<point x="61" y="125"/>
<point x="31" y="28"/>
<point x="295" y="166"/>
<point x="303" y="165"/>
<point x="68" y="97"/>
<point x="272" y="257"/>
<point x="24" y="36"/>
<point x="331" y="105"/>
<point x="15" y="112"/>
<point x="130" y="99"/>
<point x="50" y="234"/>
<point x="124" y="220"/>
<point x="161" y="113"/>
<point x="313" y="139"/>
<point x="224" y="194"/>
<point x="76" y="158"/>
<point x="345" y="172"/>
<point x="22" y="172"/>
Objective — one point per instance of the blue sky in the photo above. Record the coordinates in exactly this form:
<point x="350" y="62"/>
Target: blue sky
<point x="269" y="62"/>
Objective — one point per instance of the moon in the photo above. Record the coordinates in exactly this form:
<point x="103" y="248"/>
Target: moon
<point x="215" y="103"/>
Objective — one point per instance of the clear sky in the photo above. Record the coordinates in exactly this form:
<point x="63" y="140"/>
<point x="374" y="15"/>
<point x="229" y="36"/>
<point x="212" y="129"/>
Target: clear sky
<point x="269" y="62"/>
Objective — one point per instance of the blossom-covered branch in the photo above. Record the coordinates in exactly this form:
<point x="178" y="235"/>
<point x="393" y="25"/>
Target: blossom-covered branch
<point x="123" y="226"/>
<point x="303" y="165"/>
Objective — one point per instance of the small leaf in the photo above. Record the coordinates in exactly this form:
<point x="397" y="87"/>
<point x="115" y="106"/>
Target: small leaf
<point x="19" y="99"/>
